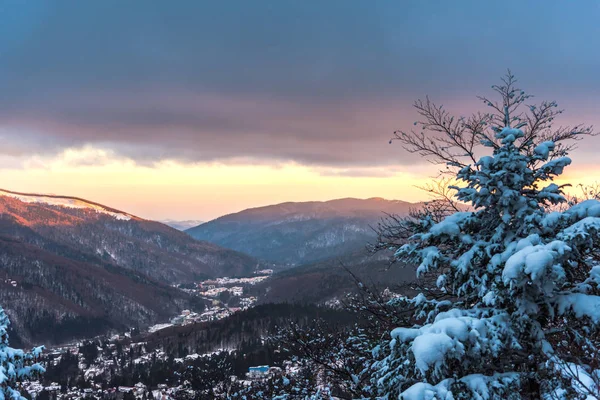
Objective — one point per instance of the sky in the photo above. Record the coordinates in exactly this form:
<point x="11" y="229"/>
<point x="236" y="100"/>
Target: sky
<point x="194" y="109"/>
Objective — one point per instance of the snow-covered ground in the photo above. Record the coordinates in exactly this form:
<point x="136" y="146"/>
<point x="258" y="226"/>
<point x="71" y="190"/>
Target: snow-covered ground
<point x="158" y="327"/>
<point x="68" y="202"/>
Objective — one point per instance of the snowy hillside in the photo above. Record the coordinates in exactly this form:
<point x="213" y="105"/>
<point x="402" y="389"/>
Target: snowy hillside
<point x="65" y="201"/>
<point x="71" y="267"/>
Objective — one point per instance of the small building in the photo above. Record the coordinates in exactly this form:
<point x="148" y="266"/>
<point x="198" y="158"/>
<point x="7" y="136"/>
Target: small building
<point x="237" y="290"/>
<point x="53" y="388"/>
<point x="265" y="272"/>
<point x="257" y="372"/>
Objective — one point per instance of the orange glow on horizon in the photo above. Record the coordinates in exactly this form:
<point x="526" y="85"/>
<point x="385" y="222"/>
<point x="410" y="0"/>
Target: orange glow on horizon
<point x="171" y="190"/>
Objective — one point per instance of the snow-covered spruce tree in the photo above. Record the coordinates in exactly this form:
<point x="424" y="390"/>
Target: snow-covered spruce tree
<point x="518" y="302"/>
<point x="15" y="365"/>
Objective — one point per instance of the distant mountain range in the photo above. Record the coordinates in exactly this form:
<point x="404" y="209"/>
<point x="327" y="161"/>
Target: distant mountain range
<point x="181" y="225"/>
<point x="70" y="266"/>
<point x="300" y="233"/>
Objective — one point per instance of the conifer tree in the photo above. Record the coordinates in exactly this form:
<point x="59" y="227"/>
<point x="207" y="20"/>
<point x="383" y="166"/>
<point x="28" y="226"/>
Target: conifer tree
<point x="514" y="307"/>
<point x="15" y="365"/>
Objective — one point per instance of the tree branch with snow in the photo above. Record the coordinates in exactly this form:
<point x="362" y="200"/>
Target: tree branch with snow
<point x="521" y="277"/>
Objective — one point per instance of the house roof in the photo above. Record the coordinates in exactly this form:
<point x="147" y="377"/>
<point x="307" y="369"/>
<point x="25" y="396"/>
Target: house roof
<point x="260" y="368"/>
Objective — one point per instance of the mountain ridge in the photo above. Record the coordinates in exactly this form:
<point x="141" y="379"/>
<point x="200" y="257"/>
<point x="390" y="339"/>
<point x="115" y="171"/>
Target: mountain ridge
<point x="22" y="195"/>
<point x="312" y="202"/>
<point x="72" y="268"/>
<point x="301" y="232"/>
<point x="107" y="232"/>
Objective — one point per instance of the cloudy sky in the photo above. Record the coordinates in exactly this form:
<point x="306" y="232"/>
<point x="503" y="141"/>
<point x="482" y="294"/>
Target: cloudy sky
<point x="193" y="109"/>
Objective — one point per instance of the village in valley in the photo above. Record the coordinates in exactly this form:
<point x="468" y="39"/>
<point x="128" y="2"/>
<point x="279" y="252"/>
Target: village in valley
<point x="99" y="364"/>
<point x="225" y="296"/>
<point x="102" y="365"/>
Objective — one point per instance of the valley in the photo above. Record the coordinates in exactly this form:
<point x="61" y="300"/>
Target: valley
<point x="120" y="296"/>
<point x="81" y="268"/>
<point x="193" y="361"/>
<point x="296" y="200"/>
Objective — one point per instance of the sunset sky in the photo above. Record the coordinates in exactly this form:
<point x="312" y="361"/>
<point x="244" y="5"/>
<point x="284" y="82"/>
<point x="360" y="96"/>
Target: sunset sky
<point x="193" y="109"/>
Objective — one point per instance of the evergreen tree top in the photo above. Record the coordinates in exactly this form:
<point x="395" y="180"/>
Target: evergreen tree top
<point x="509" y="269"/>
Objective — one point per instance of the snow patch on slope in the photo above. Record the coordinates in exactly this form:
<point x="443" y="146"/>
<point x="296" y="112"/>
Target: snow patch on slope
<point x="68" y="202"/>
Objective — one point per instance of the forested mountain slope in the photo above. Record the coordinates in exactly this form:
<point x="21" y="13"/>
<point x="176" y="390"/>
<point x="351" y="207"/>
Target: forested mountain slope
<point x="88" y="231"/>
<point x="299" y="233"/>
<point x="73" y="268"/>
<point x="51" y="298"/>
<point x="333" y="279"/>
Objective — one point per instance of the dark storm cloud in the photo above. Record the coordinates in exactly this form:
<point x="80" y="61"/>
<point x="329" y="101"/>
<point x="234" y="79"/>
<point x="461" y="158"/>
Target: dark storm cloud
<point x="311" y="82"/>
